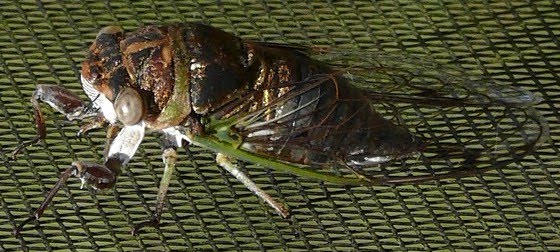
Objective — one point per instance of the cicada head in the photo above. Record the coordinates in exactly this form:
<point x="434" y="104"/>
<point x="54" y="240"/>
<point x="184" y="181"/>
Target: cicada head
<point x="104" y="76"/>
<point x="103" y="68"/>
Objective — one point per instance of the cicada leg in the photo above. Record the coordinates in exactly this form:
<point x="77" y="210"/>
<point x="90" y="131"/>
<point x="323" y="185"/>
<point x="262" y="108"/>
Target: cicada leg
<point x="225" y="163"/>
<point x="98" y="176"/>
<point x="169" y="157"/>
<point x="97" y="123"/>
<point x="122" y="148"/>
<point x="61" y="100"/>
<point x="39" y="212"/>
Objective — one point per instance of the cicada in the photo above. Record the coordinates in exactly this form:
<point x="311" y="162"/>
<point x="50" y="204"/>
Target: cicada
<point x="348" y="118"/>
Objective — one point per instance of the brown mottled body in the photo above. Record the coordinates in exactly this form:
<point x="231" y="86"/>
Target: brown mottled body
<point x="193" y="70"/>
<point x="188" y="64"/>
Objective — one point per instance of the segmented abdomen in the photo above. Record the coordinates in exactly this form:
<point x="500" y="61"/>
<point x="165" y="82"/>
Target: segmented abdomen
<point x="302" y="111"/>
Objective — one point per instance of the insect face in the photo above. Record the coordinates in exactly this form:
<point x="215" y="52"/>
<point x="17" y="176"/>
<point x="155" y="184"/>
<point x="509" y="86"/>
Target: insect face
<point x="103" y="74"/>
<point x="103" y="67"/>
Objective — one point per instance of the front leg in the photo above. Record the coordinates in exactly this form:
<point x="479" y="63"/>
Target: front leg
<point x="98" y="176"/>
<point x="63" y="101"/>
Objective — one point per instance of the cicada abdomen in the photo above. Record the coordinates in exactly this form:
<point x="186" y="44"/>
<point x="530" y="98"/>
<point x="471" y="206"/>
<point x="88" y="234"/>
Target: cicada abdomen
<point x="300" y="110"/>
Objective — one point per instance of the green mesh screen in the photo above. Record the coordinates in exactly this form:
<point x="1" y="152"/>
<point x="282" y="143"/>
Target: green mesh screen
<point x="517" y="208"/>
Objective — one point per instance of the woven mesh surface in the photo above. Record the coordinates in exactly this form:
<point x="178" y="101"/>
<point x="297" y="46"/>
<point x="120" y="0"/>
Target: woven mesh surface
<point x="509" y="209"/>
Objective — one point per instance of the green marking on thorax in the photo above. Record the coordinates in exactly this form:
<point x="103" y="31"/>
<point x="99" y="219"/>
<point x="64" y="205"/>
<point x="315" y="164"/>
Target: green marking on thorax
<point x="178" y="107"/>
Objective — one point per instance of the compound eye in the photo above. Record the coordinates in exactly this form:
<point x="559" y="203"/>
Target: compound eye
<point x="129" y="106"/>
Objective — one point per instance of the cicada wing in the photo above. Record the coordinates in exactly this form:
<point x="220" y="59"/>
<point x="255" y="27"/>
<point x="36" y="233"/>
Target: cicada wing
<point x="446" y="106"/>
<point x="419" y="78"/>
<point x="404" y="107"/>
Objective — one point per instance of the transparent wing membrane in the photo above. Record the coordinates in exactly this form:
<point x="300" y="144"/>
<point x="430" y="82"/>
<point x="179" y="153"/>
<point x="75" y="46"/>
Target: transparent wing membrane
<point x="460" y="123"/>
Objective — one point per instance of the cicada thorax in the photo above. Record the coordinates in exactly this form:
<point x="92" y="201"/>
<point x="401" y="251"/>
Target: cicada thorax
<point x="184" y="70"/>
<point x="300" y="110"/>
